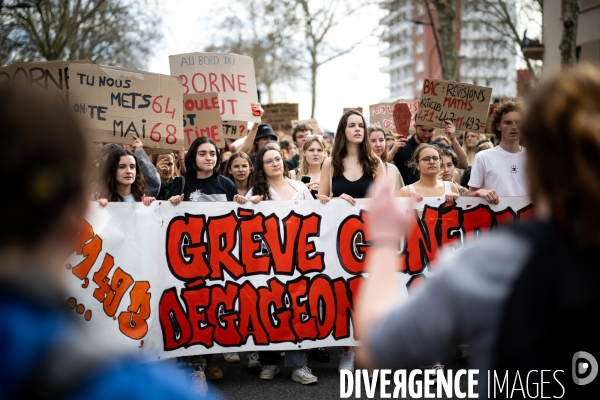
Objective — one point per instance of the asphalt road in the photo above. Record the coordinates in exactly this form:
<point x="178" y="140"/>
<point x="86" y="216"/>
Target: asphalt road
<point x="240" y="383"/>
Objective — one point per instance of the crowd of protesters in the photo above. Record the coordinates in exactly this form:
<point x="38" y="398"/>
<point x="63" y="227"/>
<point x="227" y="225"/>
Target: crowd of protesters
<point x="260" y="167"/>
<point x="351" y="164"/>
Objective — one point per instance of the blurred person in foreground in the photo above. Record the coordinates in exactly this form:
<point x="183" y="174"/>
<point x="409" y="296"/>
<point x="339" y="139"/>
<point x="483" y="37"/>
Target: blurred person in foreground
<point x="525" y="297"/>
<point x="45" y="353"/>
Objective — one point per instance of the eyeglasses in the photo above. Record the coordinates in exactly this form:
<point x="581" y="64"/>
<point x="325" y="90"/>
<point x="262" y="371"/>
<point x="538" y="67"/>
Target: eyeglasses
<point x="430" y="159"/>
<point x="269" y="161"/>
<point x="242" y="166"/>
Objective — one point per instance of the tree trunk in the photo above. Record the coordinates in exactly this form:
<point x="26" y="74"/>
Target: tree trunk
<point x="445" y="27"/>
<point x="314" y="66"/>
<point x="568" y="42"/>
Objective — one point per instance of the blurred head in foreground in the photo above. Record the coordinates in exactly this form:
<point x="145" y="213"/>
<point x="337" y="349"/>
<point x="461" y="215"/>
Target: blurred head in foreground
<point x="562" y="129"/>
<point x="44" y="161"/>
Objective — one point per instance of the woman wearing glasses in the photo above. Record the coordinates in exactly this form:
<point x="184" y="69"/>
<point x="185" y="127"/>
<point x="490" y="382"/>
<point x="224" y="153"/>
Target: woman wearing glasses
<point x="271" y="182"/>
<point x="426" y="161"/>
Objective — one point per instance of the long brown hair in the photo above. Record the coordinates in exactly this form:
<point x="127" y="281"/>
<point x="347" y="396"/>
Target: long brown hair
<point x="563" y="127"/>
<point x="261" y="184"/>
<point x="233" y="157"/>
<point x="366" y="158"/>
<point x="385" y="154"/>
<point x="107" y="183"/>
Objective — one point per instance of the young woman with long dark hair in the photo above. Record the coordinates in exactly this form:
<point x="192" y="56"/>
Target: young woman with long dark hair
<point x="353" y="166"/>
<point x="272" y="182"/>
<point x="347" y="174"/>
<point x="202" y="183"/>
<point x="120" y="179"/>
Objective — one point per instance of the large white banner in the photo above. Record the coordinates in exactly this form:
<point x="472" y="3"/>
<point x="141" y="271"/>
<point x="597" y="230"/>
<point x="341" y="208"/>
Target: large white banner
<point x="200" y="278"/>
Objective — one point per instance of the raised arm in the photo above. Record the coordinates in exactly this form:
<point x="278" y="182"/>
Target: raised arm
<point x="245" y="144"/>
<point x="450" y="131"/>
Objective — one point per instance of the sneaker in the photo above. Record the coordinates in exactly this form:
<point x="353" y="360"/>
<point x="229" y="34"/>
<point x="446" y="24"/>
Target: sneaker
<point x="436" y="368"/>
<point x="347" y="361"/>
<point x="253" y="360"/>
<point x="319" y="354"/>
<point x="269" y="372"/>
<point x="231" y="358"/>
<point x="462" y="353"/>
<point x="304" y="376"/>
<point x="199" y="385"/>
<point x="197" y="363"/>
<point x="212" y="371"/>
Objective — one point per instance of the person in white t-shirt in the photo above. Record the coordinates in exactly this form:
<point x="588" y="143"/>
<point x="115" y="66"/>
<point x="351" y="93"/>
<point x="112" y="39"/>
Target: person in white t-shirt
<point x="500" y="172"/>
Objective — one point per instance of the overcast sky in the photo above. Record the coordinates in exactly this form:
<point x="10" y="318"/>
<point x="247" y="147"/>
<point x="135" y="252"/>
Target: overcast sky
<point x="352" y="80"/>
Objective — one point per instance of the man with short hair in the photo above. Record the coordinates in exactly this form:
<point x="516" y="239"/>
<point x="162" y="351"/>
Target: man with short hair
<point x="299" y="134"/>
<point x="423" y="134"/>
<point x="500" y="171"/>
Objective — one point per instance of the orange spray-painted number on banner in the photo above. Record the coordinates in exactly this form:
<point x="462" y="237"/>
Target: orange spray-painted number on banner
<point x="111" y="289"/>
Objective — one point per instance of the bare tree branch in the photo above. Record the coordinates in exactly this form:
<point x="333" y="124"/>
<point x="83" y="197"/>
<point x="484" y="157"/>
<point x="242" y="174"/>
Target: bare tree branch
<point x="115" y="32"/>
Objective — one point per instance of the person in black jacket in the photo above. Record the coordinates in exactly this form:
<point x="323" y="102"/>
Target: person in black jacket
<point x="202" y="181"/>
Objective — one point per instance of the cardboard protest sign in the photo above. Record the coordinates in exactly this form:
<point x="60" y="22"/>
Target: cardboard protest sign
<point x="310" y="122"/>
<point x="230" y="75"/>
<point x="49" y="76"/>
<point x="359" y="109"/>
<point x="465" y="105"/>
<point x="488" y="128"/>
<point x="202" y="117"/>
<point x="381" y="115"/>
<point x="402" y="117"/>
<point x="280" y="115"/>
<point x="234" y="129"/>
<point x="114" y="104"/>
<point x="211" y="278"/>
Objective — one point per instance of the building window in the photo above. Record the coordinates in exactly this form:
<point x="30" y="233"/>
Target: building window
<point x="420" y="29"/>
<point x="420" y="48"/>
<point x="420" y="66"/>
